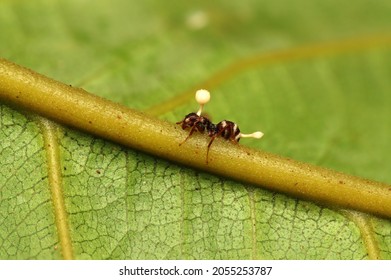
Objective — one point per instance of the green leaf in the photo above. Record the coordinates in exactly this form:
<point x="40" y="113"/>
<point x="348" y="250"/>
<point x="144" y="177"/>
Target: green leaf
<point x="330" y="107"/>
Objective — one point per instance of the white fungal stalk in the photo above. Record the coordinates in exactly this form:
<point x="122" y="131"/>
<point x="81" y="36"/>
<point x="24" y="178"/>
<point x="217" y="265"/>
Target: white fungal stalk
<point x="256" y="135"/>
<point x="202" y="97"/>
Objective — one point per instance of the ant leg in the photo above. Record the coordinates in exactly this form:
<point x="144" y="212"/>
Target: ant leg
<point x="210" y="143"/>
<point x="193" y="128"/>
<point x="207" y="151"/>
<point x="191" y="132"/>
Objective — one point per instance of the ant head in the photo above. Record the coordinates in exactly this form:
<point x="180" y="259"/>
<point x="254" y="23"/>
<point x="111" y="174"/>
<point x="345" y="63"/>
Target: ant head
<point x="202" y="97"/>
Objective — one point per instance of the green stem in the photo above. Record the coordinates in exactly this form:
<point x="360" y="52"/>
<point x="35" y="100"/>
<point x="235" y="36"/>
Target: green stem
<point x="79" y="109"/>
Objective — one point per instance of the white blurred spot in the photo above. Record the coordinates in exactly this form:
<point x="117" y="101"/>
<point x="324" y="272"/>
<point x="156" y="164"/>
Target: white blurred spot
<point x="197" y="20"/>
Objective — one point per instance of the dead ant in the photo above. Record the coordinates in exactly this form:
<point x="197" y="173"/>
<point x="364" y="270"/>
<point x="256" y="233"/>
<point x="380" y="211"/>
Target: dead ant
<point x="226" y="129"/>
<point x="196" y="123"/>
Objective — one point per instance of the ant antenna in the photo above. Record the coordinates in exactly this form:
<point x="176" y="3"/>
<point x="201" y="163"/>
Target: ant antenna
<point x="256" y="135"/>
<point x="202" y="97"/>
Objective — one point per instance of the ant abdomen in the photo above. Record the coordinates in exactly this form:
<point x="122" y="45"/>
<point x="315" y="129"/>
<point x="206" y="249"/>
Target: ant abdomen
<point x="228" y="130"/>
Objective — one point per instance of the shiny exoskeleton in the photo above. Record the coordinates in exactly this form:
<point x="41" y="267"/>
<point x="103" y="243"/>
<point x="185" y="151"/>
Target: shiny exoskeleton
<point x="197" y="123"/>
<point x="226" y="129"/>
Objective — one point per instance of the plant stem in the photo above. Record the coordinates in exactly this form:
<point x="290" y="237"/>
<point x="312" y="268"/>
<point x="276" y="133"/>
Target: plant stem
<point x="79" y="109"/>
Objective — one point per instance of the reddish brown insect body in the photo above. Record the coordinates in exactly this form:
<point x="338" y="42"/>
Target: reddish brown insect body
<point x="226" y="129"/>
<point x="196" y="123"/>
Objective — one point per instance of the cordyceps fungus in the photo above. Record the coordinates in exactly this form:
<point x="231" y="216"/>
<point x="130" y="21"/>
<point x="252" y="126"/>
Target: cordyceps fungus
<point x="226" y="129"/>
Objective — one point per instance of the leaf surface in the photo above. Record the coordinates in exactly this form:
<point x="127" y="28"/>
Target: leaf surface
<point x="330" y="107"/>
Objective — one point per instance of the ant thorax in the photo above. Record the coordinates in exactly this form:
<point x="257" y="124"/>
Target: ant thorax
<point x="197" y="123"/>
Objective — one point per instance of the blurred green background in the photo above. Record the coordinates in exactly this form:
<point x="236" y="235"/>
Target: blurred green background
<point x="313" y="75"/>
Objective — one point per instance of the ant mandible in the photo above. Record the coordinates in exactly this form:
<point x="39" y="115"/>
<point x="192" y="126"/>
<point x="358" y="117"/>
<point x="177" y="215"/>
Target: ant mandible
<point x="226" y="129"/>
